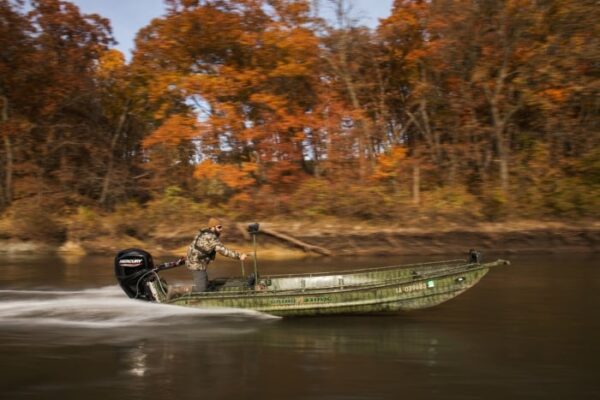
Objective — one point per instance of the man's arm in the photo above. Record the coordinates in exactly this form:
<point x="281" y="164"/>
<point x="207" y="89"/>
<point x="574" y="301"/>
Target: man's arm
<point x="211" y="241"/>
<point x="221" y="249"/>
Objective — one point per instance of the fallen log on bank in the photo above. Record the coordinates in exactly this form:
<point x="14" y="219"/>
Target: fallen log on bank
<point x="296" y="242"/>
<point x="244" y="231"/>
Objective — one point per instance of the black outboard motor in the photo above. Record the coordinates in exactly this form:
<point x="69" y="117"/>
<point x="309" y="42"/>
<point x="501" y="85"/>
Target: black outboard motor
<point x="133" y="269"/>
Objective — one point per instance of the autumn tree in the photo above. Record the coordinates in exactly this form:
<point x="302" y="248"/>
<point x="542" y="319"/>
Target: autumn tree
<point x="243" y="74"/>
<point x="16" y="47"/>
<point x="262" y="102"/>
<point x="64" y="108"/>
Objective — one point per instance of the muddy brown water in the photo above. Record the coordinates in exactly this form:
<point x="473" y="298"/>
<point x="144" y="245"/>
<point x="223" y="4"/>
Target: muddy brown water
<point x="528" y="331"/>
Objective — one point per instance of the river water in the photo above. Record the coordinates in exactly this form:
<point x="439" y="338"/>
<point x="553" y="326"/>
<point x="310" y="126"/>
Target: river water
<point x="528" y="331"/>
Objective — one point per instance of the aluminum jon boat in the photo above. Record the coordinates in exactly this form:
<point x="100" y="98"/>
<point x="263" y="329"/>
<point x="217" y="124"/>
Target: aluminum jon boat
<point x="363" y="291"/>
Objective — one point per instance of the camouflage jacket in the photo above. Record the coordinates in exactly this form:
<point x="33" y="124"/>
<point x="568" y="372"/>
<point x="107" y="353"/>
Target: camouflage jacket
<point x="204" y="248"/>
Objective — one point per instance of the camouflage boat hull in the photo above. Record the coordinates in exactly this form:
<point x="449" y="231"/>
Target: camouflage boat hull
<point x="381" y="290"/>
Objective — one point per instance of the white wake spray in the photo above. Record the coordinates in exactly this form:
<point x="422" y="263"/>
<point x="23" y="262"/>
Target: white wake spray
<point x="105" y="307"/>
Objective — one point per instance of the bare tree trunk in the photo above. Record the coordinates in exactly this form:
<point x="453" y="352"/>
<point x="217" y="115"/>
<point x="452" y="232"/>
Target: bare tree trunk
<point x="501" y="115"/>
<point x="362" y="130"/>
<point x="9" y="154"/>
<point x="342" y="69"/>
<point x="416" y="189"/>
<point x="500" y="122"/>
<point x="111" y="157"/>
<point x="452" y="168"/>
<point x="502" y="144"/>
<point x="316" y="139"/>
<point x="503" y="156"/>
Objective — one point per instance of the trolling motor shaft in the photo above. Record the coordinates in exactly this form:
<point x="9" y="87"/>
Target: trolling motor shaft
<point x="253" y="230"/>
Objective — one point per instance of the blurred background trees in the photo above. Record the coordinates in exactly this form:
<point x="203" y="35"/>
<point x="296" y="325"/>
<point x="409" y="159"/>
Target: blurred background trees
<point x="483" y="110"/>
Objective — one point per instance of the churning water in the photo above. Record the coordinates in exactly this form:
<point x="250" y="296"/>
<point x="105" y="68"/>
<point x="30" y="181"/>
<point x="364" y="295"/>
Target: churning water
<point x="102" y="308"/>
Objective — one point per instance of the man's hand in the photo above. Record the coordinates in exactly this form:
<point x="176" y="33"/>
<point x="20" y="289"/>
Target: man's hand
<point x="243" y="256"/>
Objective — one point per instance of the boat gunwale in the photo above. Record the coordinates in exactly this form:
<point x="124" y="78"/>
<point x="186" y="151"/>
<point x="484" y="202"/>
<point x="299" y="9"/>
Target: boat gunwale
<point x="321" y="291"/>
<point x="360" y="270"/>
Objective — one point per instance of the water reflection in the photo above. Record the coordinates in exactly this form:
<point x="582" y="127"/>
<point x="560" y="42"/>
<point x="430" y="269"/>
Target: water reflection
<point x="138" y="360"/>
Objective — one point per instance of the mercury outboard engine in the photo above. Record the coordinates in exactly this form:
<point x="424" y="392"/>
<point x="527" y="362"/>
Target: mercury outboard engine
<point x="138" y="276"/>
<point x="134" y="268"/>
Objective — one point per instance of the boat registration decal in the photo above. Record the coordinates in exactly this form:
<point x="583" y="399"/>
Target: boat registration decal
<point x="411" y="288"/>
<point x="289" y="301"/>
<point x="313" y="299"/>
<point x="430" y="284"/>
<point x="285" y="301"/>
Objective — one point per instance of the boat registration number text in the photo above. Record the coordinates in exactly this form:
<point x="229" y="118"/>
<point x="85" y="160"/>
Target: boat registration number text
<point x="411" y="288"/>
<point x="288" y="301"/>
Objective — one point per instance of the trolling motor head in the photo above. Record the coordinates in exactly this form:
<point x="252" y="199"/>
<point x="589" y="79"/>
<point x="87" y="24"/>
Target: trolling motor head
<point x="474" y="257"/>
<point x="253" y="228"/>
<point x="133" y="269"/>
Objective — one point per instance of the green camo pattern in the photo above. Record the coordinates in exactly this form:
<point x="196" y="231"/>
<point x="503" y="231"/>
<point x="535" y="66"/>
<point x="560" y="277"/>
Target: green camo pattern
<point x="203" y="249"/>
<point x="381" y="290"/>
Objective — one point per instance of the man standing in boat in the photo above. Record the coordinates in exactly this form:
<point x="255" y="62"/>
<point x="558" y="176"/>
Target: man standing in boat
<point x="203" y="250"/>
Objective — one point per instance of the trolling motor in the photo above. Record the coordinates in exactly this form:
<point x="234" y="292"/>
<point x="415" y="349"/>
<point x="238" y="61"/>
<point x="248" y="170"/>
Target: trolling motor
<point x="474" y="257"/>
<point x="135" y="271"/>
<point x="253" y="230"/>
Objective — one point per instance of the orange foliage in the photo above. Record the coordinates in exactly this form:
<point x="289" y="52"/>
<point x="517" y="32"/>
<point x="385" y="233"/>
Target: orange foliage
<point x="173" y="131"/>
<point x="234" y="177"/>
<point x="556" y="95"/>
<point x="389" y="165"/>
<point x="277" y="99"/>
<point x="110" y="61"/>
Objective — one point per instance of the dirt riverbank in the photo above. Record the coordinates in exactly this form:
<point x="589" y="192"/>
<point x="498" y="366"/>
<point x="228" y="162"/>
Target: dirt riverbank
<point x="523" y="237"/>
<point x="293" y="240"/>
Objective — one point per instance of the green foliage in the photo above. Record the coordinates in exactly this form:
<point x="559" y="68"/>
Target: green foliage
<point x="572" y="197"/>
<point x="128" y="219"/>
<point x="85" y="224"/>
<point x="494" y="205"/>
<point x="452" y="203"/>
<point x="173" y="209"/>
<point x="319" y="197"/>
<point x="589" y="168"/>
<point x="544" y="188"/>
<point x="314" y="198"/>
<point x="28" y="220"/>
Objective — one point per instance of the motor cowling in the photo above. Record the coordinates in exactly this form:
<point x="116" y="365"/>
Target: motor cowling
<point x="133" y="270"/>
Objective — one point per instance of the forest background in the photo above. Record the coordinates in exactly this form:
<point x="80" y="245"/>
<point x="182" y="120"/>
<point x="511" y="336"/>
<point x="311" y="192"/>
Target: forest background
<point x="449" y="112"/>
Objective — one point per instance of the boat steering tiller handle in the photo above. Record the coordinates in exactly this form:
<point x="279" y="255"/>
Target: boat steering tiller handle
<point x="171" y="264"/>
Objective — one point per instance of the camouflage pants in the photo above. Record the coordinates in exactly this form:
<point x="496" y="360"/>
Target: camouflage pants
<point x="200" y="278"/>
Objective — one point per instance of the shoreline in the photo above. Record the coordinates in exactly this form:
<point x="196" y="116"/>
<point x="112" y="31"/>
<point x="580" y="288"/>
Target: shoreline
<point x="347" y="240"/>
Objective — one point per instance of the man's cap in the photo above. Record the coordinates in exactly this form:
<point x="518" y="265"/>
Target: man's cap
<point x="214" y="222"/>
